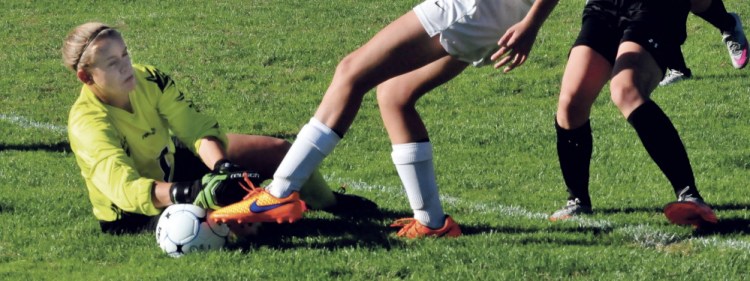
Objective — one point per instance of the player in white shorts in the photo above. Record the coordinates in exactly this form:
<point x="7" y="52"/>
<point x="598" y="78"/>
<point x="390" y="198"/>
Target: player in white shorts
<point x="469" y="30"/>
<point x="419" y="51"/>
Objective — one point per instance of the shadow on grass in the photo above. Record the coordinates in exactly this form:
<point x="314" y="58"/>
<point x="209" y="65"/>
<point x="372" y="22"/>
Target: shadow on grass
<point x="724" y="75"/>
<point x="560" y="228"/>
<point x="627" y="210"/>
<point x="54" y="147"/>
<point x="318" y="233"/>
<point x="5" y="208"/>
<point x="375" y="233"/>
<point x="659" y="209"/>
<point x="725" y="226"/>
<point x="341" y="231"/>
<point x="731" y="207"/>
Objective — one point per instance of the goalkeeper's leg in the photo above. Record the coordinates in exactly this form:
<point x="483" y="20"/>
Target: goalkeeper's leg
<point x="258" y="153"/>
<point x="316" y="193"/>
<point x="318" y="196"/>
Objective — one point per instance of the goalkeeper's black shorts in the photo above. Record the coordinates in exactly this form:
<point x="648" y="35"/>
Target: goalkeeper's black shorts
<point x="191" y="168"/>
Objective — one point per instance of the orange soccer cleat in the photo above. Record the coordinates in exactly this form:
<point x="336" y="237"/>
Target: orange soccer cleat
<point x="261" y="206"/>
<point x="411" y="228"/>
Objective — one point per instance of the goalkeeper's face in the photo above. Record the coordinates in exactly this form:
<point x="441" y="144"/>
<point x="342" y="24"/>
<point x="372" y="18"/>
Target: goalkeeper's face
<point x="111" y="69"/>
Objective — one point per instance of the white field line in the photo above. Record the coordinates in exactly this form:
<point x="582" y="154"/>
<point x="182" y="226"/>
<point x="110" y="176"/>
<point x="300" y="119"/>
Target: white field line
<point x="643" y="235"/>
<point x="27" y="123"/>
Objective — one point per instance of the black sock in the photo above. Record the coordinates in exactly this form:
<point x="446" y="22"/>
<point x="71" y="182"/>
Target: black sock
<point x="663" y="143"/>
<point x="679" y="64"/>
<point x="717" y="15"/>
<point x="574" y="149"/>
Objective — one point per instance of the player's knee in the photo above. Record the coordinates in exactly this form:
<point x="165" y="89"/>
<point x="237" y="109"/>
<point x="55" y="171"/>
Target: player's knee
<point x="349" y="70"/>
<point x="281" y="145"/>
<point x="392" y="96"/>
<point x="624" y="95"/>
<point x="350" y="79"/>
<point x="570" y="102"/>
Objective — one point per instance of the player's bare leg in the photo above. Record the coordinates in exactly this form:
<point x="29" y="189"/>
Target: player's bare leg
<point x="246" y="150"/>
<point x="636" y="73"/>
<point x="585" y="75"/>
<point x="412" y="150"/>
<point x="400" y="47"/>
<point x="398" y="96"/>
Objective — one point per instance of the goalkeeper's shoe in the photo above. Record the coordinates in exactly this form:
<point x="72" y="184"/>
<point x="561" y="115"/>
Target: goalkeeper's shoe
<point x="261" y="206"/>
<point x="736" y="43"/>
<point x="411" y="228"/>
<point x="689" y="210"/>
<point x="352" y="206"/>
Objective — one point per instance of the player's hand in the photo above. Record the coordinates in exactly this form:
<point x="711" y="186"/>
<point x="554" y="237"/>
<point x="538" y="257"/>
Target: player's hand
<point x="222" y="186"/>
<point x="515" y="46"/>
<point x="223" y="166"/>
<point x="215" y="187"/>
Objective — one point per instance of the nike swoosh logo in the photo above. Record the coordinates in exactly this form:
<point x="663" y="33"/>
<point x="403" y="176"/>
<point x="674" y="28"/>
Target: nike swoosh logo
<point x="260" y="209"/>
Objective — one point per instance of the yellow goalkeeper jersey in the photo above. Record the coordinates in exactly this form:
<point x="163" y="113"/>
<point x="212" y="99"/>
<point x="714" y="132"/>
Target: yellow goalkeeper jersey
<point x="120" y="153"/>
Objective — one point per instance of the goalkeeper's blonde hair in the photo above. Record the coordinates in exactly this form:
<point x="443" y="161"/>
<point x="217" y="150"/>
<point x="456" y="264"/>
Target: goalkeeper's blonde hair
<point x="76" y="48"/>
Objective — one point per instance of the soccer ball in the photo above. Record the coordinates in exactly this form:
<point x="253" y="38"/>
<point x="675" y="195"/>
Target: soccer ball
<point x="183" y="228"/>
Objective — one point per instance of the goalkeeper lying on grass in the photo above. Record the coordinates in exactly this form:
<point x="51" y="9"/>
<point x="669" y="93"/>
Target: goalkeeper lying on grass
<point x="142" y="146"/>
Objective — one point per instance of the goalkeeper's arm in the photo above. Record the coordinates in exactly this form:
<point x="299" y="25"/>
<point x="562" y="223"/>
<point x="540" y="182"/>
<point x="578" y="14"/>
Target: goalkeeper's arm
<point x="216" y="189"/>
<point x="213" y="194"/>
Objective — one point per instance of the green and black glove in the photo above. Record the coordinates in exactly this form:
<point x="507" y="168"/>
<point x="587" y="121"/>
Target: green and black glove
<point x="216" y="189"/>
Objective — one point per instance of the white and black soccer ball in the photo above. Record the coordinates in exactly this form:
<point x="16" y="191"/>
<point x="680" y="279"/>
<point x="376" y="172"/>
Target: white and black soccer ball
<point x="183" y="228"/>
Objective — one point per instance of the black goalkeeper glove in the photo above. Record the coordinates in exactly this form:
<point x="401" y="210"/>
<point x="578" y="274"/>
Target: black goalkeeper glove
<point x="223" y="166"/>
<point x="216" y="189"/>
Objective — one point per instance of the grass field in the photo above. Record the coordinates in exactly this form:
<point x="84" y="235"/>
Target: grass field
<point x="261" y="67"/>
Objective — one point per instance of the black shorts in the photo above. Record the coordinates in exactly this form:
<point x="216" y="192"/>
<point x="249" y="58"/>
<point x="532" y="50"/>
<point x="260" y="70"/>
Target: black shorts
<point x="656" y="25"/>
<point x="188" y="167"/>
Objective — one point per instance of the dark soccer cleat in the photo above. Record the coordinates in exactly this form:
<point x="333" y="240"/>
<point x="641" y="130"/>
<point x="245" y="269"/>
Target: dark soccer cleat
<point x="352" y="206"/>
<point x="572" y="209"/>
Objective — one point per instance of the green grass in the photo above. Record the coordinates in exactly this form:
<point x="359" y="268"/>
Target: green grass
<point x="261" y="67"/>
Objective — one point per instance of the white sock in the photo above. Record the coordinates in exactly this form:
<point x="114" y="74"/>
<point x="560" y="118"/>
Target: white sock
<point x="314" y="142"/>
<point x="414" y="165"/>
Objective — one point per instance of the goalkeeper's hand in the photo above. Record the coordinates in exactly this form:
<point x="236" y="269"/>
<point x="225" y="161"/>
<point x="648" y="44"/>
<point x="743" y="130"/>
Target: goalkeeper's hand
<point x="216" y="189"/>
<point x="219" y="189"/>
<point x="223" y="166"/>
<point x="235" y="172"/>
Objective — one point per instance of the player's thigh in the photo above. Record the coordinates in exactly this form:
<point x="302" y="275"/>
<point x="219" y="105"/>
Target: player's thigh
<point x="635" y="75"/>
<point x="699" y="6"/>
<point x="259" y="153"/>
<point x="397" y="98"/>
<point x="407" y="88"/>
<point x="400" y="47"/>
<point x="585" y="75"/>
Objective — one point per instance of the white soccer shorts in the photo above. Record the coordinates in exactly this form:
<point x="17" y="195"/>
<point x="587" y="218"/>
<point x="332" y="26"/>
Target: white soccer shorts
<point x="469" y="29"/>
